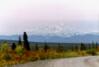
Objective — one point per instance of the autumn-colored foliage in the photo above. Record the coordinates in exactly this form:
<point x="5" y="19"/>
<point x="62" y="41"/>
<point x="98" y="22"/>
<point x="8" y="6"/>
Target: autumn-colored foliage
<point x="21" y="53"/>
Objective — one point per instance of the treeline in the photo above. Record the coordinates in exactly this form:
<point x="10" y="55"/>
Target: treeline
<point x="59" y="47"/>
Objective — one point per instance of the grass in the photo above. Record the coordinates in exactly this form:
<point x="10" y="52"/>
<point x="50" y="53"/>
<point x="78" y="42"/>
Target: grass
<point x="10" y="57"/>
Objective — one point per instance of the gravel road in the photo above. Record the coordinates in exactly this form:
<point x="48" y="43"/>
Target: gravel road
<point x="91" y="61"/>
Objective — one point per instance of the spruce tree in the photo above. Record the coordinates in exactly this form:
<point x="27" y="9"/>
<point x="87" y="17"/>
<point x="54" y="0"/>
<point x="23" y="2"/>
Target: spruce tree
<point x="60" y="48"/>
<point x="36" y="47"/>
<point x="26" y="43"/>
<point x="97" y="46"/>
<point x="46" y="47"/>
<point x="19" y="42"/>
<point x="93" y="45"/>
<point x="89" y="46"/>
<point x="82" y="47"/>
<point x="76" y="47"/>
<point x="13" y="46"/>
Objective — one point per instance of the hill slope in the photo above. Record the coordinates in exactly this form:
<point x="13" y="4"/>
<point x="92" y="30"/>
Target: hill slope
<point x="87" y="38"/>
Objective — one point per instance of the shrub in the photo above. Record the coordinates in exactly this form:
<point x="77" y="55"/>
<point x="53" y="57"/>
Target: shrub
<point x="19" y="50"/>
<point x="7" y="57"/>
<point x="4" y="47"/>
<point x="92" y="52"/>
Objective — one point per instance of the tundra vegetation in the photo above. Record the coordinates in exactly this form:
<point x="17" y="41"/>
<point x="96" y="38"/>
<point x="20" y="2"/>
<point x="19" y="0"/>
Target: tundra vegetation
<point x="22" y="51"/>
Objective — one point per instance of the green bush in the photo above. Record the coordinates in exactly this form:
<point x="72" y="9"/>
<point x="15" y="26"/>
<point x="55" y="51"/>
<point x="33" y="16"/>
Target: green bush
<point x="91" y="52"/>
<point x="7" y="57"/>
<point x="4" y="47"/>
<point x="19" y="50"/>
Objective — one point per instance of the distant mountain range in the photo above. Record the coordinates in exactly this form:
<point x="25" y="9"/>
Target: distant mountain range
<point x="86" y="38"/>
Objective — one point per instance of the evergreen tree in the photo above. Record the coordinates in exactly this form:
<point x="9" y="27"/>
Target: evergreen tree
<point x="46" y="47"/>
<point x="76" y="48"/>
<point x="89" y="46"/>
<point x="82" y="47"/>
<point x="72" y="48"/>
<point x="60" y="48"/>
<point x="13" y="46"/>
<point x="26" y="43"/>
<point x="36" y="47"/>
<point x="96" y="45"/>
<point x="19" y="42"/>
<point x="93" y="45"/>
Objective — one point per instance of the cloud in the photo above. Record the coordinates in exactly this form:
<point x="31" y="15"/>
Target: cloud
<point x="48" y="16"/>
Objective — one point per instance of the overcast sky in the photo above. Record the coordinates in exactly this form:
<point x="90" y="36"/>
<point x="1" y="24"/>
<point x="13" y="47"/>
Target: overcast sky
<point x="48" y="16"/>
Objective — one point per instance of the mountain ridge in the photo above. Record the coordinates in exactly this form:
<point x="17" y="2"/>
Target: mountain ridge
<point x="86" y="38"/>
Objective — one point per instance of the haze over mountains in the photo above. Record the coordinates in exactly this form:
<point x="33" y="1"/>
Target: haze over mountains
<point x="85" y="38"/>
